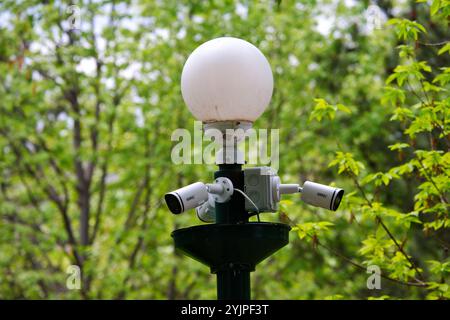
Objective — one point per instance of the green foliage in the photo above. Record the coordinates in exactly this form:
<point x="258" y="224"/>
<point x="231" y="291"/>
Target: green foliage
<point x="407" y="29"/>
<point x="421" y="107"/>
<point x="346" y="163"/>
<point x="86" y="118"/>
<point x="323" y="109"/>
<point x="311" y="229"/>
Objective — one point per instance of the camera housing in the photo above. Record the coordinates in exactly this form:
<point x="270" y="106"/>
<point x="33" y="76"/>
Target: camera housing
<point x="186" y="198"/>
<point x="264" y="188"/>
<point x="196" y="194"/>
<point x="322" y="196"/>
<point x="261" y="187"/>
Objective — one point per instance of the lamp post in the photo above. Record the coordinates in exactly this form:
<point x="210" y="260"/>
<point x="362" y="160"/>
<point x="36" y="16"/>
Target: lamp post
<point x="227" y="83"/>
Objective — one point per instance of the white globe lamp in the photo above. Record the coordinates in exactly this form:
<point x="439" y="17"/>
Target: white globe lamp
<point x="227" y="79"/>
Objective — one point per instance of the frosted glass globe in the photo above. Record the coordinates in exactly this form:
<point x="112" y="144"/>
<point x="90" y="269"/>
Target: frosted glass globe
<point x="227" y="79"/>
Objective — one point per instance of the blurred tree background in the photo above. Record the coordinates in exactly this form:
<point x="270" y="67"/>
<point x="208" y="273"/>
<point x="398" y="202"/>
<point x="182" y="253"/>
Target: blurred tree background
<point x="86" y="115"/>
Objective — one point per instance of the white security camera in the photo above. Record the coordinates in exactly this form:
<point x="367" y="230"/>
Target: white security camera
<point x="315" y="194"/>
<point x="264" y="189"/>
<point x="196" y="194"/>
<point x="322" y="196"/>
<point x="187" y="197"/>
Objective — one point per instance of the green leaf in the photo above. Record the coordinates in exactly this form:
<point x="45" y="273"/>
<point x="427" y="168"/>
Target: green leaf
<point x="407" y="29"/>
<point x="391" y="78"/>
<point x="435" y="6"/>
<point x="311" y="229"/>
<point x="346" y="163"/>
<point x="443" y="78"/>
<point x="401" y="114"/>
<point x="323" y="109"/>
<point x="406" y="51"/>
<point x="343" y="108"/>
<point x="385" y="179"/>
<point x="398" y="146"/>
<point x="394" y="96"/>
<point x="428" y="87"/>
<point x="444" y="49"/>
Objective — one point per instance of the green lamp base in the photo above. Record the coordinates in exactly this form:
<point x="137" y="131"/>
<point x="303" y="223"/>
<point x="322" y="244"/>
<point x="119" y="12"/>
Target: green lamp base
<point x="225" y="246"/>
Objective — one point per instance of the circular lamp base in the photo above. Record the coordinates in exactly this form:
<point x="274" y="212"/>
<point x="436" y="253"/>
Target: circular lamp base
<point x="219" y="245"/>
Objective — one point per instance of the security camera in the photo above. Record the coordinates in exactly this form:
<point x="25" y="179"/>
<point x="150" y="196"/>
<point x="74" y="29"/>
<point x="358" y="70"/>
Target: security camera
<point x="264" y="189"/>
<point x="322" y="196"/>
<point x="196" y="194"/>
<point x="187" y="197"/>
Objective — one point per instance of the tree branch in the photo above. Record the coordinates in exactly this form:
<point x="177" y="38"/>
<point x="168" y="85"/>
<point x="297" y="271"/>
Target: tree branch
<point x="51" y="193"/>
<point x="430" y="179"/>
<point x="400" y="249"/>
<point x="359" y="266"/>
<point x="418" y="283"/>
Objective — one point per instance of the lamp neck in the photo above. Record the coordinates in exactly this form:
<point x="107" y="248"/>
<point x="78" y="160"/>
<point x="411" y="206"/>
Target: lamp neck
<point x="228" y="134"/>
<point x="232" y="211"/>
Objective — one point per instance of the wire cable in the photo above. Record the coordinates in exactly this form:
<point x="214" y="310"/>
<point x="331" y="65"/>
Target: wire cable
<point x="250" y="200"/>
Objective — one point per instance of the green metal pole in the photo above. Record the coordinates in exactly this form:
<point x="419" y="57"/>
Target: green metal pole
<point x="233" y="280"/>
<point x="233" y="284"/>
<point x="233" y="211"/>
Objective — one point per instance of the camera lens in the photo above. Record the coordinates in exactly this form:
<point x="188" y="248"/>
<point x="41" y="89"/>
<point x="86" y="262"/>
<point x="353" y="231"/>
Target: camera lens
<point x="174" y="202"/>
<point x="336" y="200"/>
